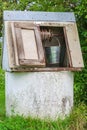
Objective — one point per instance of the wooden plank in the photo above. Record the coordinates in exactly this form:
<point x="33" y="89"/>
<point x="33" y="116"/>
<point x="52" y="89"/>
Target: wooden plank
<point x="52" y="24"/>
<point x="9" y="42"/>
<point x="69" y="61"/>
<point x="74" y="46"/>
<point x="24" y="25"/>
<point x="32" y="24"/>
<point x="39" y="45"/>
<point x="31" y="63"/>
<point x="27" y="69"/>
<point x="14" y="44"/>
<point x="19" y="42"/>
<point x="29" y="44"/>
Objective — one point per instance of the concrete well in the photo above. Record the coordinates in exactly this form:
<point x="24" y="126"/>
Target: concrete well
<point x="39" y="94"/>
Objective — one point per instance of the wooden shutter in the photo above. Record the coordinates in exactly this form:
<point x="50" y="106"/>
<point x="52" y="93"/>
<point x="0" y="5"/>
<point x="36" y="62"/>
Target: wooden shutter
<point x="27" y="44"/>
<point x="73" y="46"/>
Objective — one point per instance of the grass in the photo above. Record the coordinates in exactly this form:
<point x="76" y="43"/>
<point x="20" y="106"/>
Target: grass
<point x="2" y="94"/>
<point x="19" y="123"/>
<point x="2" y="104"/>
<point x="77" y="120"/>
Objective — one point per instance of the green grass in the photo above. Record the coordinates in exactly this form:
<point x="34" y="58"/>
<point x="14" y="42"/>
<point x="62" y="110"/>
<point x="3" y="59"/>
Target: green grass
<point x="2" y="104"/>
<point x="19" y="123"/>
<point x="2" y="79"/>
<point x="76" y="120"/>
<point x="2" y="94"/>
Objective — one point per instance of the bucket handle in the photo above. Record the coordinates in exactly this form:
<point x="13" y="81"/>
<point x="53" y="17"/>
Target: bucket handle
<point x="57" y="40"/>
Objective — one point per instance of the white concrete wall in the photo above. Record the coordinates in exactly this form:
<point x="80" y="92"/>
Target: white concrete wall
<point x="42" y="94"/>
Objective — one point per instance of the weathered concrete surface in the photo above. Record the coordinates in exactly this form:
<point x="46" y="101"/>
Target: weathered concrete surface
<point x="42" y="94"/>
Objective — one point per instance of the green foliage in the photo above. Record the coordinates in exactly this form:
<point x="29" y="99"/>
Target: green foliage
<point x="2" y="104"/>
<point x="78" y="118"/>
<point x="44" y="5"/>
<point x="0" y="17"/>
<point x="2" y="79"/>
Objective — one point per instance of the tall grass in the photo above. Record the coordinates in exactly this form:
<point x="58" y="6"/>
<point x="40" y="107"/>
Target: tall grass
<point x="2" y="79"/>
<point x="77" y="120"/>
